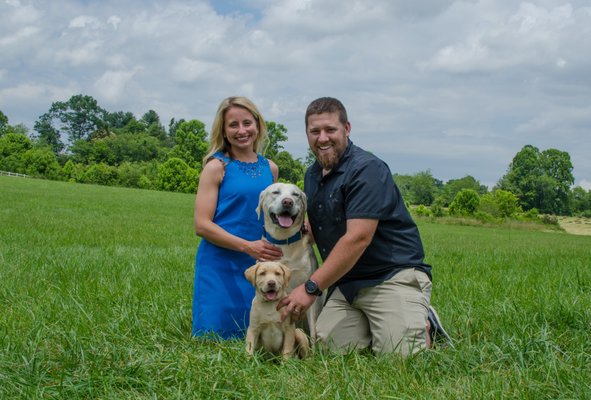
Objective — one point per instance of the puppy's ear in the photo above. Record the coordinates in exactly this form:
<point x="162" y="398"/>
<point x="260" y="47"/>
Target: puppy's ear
<point x="251" y="273"/>
<point x="286" y="273"/>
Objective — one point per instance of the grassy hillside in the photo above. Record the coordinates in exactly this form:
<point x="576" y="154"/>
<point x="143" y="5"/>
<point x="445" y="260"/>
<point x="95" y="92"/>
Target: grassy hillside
<point x="95" y="295"/>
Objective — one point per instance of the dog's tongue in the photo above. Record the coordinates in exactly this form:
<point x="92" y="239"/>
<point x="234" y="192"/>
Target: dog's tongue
<point x="285" y="220"/>
<point x="271" y="295"/>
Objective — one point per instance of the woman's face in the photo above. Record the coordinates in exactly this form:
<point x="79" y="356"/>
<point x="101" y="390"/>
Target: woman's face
<point x="240" y="127"/>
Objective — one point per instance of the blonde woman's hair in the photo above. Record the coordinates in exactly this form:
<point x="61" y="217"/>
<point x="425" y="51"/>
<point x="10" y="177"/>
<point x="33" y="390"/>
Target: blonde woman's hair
<point x="217" y="141"/>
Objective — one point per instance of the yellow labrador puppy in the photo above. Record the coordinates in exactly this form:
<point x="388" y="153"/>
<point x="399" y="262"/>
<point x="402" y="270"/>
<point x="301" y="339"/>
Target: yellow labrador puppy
<point x="283" y="206"/>
<point x="266" y="331"/>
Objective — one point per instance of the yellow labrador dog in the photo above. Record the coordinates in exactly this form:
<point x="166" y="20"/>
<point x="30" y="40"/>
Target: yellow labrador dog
<point x="266" y="331"/>
<point x="283" y="206"/>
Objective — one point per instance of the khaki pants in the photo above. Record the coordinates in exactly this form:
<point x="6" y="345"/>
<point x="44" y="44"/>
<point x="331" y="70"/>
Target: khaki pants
<point x="389" y="317"/>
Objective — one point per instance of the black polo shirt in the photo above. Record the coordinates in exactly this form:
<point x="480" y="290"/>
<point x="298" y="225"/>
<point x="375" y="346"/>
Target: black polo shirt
<point x="361" y="187"/>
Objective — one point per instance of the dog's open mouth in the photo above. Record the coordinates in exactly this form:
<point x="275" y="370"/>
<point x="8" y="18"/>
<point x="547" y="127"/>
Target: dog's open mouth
<point x="284" y="220"/>
<point x="270" y="295"/>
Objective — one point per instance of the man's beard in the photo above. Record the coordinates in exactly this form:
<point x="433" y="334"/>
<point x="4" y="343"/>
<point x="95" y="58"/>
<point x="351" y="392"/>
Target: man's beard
<point x="328" y="161"/>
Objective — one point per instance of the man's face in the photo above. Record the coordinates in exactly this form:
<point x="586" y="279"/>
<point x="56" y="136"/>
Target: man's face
<point x="327" y="138"/>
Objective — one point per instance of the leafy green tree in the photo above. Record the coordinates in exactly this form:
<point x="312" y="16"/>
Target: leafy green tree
<point x="117" y="148"/>
<point x="172" y="127"/>
<point x="129" y="174"/>
<point x="191" y="143"/>
<point x="12" y="148"/>
<point x="119" y="119"/>
<point x="92" y="152"/>
<point x="540" y="179"/>
<point x="175" y="175"/>
<point x="404" y="183"/>
<point x="133" y="127"/>
<point x="47" y="135"/>
<point x="19" y="129"/>
<point x="80" y="116"/>
<point x="558" y="167"/>
<point x="154" y="128"/>
<point x="276" y="133"/>
<point x="579" y="200"/>
<point x="14" y="143"/>
<point x="500" y="203"/>
<point x="290" y="170"/>
<point x="421" y="188"/>
<point x="465" y="203"/>
<point x="453" y="187"/>
<point x="41" y="162"/>
<point x="69" y="171"/>
<point x="3" y="124"/>
<point x="135" y="148"/>
<point x="100" y="174"/>
<point x="425" y="188"/>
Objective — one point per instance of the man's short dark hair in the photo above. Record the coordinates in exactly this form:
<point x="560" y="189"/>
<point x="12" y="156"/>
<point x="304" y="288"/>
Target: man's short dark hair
<point x="327" y="105"/>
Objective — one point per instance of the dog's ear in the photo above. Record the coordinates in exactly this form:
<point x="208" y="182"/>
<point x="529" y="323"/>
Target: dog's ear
<point x="304" y="200"/>
<point x="260" y="205"/>
<point x="286" y="273"/>
<point x="251" y="273"/>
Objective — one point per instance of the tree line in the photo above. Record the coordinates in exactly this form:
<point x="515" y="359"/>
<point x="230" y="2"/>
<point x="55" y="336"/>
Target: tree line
<point x="79" y="141"/>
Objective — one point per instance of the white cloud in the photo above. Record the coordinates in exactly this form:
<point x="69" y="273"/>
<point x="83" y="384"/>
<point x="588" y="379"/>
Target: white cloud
<point x="83" y="54"/>
<point x="187" y="70"/>
<point x="454" y="86"/>
<point x="22" y="14"/>
<point x="18" y="36"/>
<point x="84" y="21"/>
<point x="29" y="93"/>
<point x="114" y="21"/>
<point x="584" y="183"/>
<point x="112" y="84"/>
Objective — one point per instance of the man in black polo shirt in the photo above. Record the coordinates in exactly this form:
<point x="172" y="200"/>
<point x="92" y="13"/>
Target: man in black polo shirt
<point x="378" y="285"/>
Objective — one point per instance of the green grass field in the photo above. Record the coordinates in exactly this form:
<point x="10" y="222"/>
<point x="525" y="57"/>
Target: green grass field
<point x="95" y="302"/>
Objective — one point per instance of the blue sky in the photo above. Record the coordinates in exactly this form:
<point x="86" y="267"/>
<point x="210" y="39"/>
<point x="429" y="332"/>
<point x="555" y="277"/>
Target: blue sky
<point x="454" y="87"/>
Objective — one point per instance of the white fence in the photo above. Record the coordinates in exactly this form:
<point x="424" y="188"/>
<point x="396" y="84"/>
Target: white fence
<point x="12" y="174"/>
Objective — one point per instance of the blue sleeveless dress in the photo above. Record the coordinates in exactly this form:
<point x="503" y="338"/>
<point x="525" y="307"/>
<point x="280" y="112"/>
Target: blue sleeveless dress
<point x="222" y="296"/>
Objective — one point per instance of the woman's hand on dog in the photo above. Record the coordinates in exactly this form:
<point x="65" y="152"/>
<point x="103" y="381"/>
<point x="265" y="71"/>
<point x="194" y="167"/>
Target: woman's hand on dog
<point x="262" y="250"/>
<point x="296" y="303"/>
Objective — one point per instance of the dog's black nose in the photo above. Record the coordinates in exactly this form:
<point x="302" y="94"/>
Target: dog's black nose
<point x="271" y="284"/>
<point x="287" y="203"/>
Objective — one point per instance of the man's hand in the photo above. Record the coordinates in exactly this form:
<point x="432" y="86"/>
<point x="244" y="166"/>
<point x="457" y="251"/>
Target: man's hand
<point x="296" y="303"/>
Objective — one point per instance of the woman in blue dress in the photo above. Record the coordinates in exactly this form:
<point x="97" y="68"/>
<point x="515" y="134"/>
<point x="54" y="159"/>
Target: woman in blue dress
<point x="233" y="175"/>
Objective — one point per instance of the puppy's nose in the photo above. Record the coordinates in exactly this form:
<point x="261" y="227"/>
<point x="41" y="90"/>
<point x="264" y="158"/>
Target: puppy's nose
<point x="287" y="203"/>
<point x="271" y="284"/>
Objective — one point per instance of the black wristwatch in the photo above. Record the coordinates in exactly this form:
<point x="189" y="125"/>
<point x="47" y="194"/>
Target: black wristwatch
<point x="312" y="288"/>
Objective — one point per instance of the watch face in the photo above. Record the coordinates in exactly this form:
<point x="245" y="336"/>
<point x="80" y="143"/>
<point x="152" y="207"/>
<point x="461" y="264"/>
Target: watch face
<point x="311" y="287"/>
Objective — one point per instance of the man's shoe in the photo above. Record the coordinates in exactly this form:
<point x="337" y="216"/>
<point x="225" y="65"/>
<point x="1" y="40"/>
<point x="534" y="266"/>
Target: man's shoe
<point x="437" y="332"/>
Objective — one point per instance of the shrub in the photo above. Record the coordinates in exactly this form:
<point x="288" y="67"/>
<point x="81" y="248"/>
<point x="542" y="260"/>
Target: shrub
<point x="549" y="219"/>
<point x="530" y="215"/>
<point x="176" y="176"/>
<point x="465" y="203"/>
<point x="41" y="162"/>
<point x="500" y="203"/>
<point x="100" y="174"/>
<point x="422" y="211"/>
<point x="145" y="183"/>
<point x="437" y="208"/>
<point x="129" y="174"/>
<point x="73" y="172"/>
<point x="484" y="217"/>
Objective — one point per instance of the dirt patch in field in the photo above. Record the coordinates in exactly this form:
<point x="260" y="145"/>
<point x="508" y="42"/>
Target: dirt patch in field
<point x="576" y="225"/>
